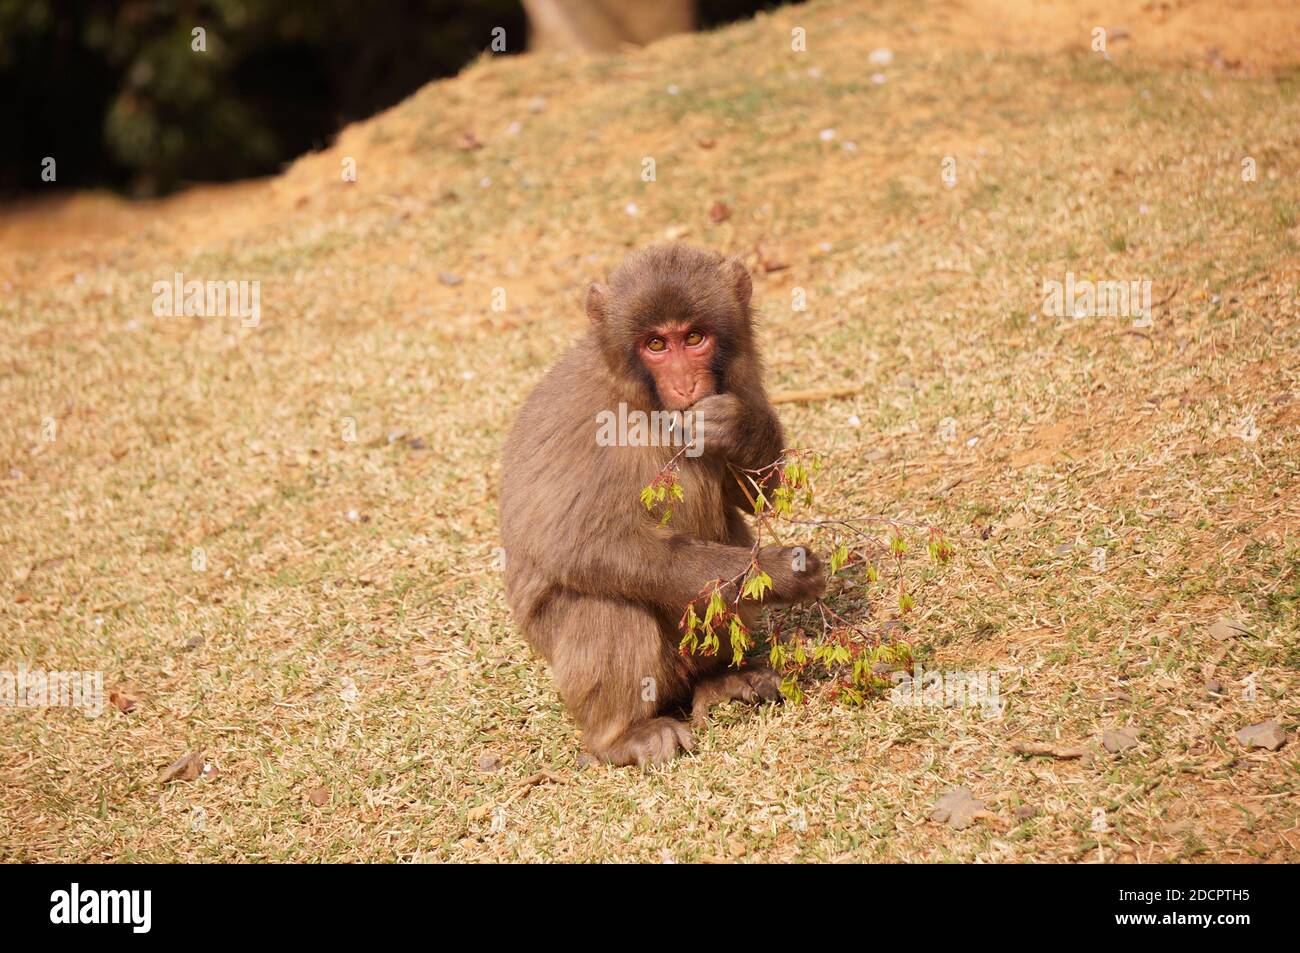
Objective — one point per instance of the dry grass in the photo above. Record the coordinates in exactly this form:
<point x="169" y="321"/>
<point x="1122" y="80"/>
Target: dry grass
<point x="175" y="433"/>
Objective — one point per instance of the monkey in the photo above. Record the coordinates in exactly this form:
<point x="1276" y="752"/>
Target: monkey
<point x="594" y="581"/>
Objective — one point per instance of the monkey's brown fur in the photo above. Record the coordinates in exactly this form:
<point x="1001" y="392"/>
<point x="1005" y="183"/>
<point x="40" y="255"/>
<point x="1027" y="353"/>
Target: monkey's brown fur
<point x="595" y="584"/>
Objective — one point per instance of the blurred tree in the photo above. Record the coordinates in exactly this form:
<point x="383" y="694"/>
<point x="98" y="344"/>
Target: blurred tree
<point x="605" y="24"/>
<point x="125" y="93"/>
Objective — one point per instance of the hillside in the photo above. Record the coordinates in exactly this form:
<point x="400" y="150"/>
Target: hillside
<point x="344" y="657"/>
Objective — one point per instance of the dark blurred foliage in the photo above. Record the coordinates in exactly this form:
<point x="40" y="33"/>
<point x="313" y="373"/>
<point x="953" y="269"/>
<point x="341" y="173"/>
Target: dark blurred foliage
<point x="114" y="92"/>
<point x="714" y="13"/>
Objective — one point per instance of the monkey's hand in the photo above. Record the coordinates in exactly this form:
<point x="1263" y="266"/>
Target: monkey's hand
<point x="715" y="424"/>
<point x="796" y="573"/>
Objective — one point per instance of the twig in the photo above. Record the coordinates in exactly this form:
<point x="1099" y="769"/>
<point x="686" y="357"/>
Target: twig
<point x="805" y="396"/>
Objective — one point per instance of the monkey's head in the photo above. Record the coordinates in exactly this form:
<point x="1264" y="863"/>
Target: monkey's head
<point x="676" y="320"/>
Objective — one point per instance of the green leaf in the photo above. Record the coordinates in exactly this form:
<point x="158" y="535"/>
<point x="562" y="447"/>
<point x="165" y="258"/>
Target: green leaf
<point x="717" y="609"/>
<point x="739" y="639"/>
<point x="790" y="689"/>
<point x="756" y="584"/>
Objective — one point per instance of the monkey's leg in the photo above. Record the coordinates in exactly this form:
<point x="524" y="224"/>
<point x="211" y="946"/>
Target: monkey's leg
<point x="754" y="684"/>
<point x="616" y="672"/>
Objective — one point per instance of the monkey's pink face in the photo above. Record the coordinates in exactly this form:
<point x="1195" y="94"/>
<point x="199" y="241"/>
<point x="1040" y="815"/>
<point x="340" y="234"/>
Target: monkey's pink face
<point x="680" y="359"/>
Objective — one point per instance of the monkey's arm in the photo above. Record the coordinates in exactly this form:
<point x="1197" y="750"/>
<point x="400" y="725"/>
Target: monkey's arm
<point x="671" y="570"/>
<point x="759" y="442"/>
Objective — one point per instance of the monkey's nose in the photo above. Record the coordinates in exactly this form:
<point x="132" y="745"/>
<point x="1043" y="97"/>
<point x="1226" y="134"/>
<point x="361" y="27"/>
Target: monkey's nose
<point x="684" y="391"/>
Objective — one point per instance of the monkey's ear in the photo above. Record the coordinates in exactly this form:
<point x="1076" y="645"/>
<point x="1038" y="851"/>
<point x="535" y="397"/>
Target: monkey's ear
<point x="597" y="303"/>
<point x="735" y="269"/>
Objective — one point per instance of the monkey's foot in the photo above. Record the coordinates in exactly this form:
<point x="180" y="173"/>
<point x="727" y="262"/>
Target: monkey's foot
<point x="650" y="742"/>
<point x="754" y="685"/>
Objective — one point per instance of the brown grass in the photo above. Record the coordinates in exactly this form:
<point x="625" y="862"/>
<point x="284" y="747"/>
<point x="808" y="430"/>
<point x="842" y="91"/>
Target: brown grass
<point x="334" y="564"/>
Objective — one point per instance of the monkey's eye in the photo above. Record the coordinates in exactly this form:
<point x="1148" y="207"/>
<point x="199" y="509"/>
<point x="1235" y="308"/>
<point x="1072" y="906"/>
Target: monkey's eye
<point x="656" y="344"/>
<point x="694" y="338"/>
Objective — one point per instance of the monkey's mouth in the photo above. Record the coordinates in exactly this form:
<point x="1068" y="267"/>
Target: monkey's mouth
<point x="677" y="404"/>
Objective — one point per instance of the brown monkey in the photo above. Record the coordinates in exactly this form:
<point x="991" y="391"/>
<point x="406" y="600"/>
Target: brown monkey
<point x="596" y="585"/>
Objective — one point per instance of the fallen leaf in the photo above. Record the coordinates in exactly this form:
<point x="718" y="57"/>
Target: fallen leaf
<point x="1015" y="521"/>
<point x="1267" y="734"/>
<point x="477" y="814"/>
<point x="958" y="808"/>
<point x="1032" y="749"/>
<point x="541" y="777"/>
<point x="770" y="261"/>
<point x="950" y="484"/>
<point x="1119" y="739"/>
<point x="1225" y="628"/>
<point x="124" y="702"/>
<point x="319" y="796"/>
<point x="185" y="768"/>
<point x="719" y="212"/>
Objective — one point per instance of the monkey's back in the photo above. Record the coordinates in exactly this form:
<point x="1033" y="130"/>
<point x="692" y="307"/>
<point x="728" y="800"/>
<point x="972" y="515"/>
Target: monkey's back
<point x="545" y="513"/>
